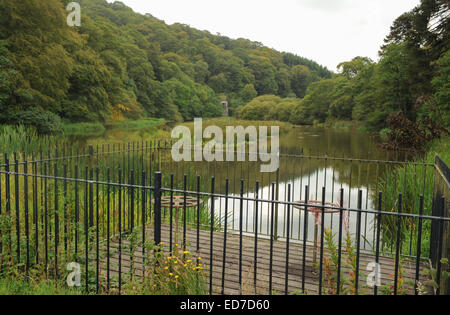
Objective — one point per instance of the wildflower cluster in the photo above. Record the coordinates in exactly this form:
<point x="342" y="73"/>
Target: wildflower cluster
<point x="171" y="273"/>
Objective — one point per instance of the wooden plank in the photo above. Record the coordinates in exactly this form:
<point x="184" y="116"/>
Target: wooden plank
<point x="232" y="263"/>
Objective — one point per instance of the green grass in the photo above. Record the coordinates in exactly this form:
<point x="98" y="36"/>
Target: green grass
<point x="83" y="129"/>
<point x="25" y="139"/>
<point x="96" y="129"/>
<point x="132" y="125"/>
<point x="440" y="147"/>
<point x="18" y="286"/>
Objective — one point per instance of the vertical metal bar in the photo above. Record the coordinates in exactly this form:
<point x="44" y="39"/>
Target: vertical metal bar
<point x="255" y="264"/>
<point x="143" y="204"/>
<point x="65" y="207"/>
<point x="86" y="229"/>
<point x="277" y="199"/>
<point x="8" y="201"/>
<point x="91" y="177"/>
<point x="1" y="231"/>
<point x="56" y="220"/>
<point x="398" y="245"/>
<point x="272" y="219"/>
<point x="171" y="215"/>
<point x="157" y="217"/>
<point x="131" y="219"/>
<point x="286" y="283"/>
<point x="305" y="237"/>
<point x="120" y="229"/>
<point x="185" y="210"/>
<point x="77" y="212"/>
<point x="440" y="241"/>
<point x="198" y="219"/>
<point x="35" y="214"/>
<point x="322" y="234"/>
<point x="46" y="218"/>
<point x="97" y="230"/>
<point x="377" y="250"/>
<point x="108" y="230"/>
<point x="16" y="195"/>
<point x="341" y="219"/>
<point x="211" y="240"/>
<point x="419" y="245"/>
<point x="358" y="241"/>
<point x="241" y="214"/>
<point x="27" y="231"/>
<point x="224" y="260"/>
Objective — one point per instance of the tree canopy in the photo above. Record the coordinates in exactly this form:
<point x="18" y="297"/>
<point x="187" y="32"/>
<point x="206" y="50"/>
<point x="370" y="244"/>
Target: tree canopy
<point x="411" y="78"/>
<point x="120" y="64"/>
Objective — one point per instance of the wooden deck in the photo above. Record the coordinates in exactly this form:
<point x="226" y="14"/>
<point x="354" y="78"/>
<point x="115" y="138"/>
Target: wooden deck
<point x="262" y="285"/>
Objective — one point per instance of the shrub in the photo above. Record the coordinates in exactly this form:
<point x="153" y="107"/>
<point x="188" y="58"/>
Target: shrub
<point x="45" y="122"/>
<point x="406" y="134"/>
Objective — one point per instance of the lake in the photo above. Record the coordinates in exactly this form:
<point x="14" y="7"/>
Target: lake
<point x="320" y="158"/>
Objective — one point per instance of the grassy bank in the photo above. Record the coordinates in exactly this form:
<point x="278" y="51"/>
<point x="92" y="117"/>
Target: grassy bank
<point x="18" y="285"/>
<point x="133" y="125"/>
<point x="440" y="147"/>
<point x="28" y="140"/>
<point x="344" y="125"/>
<point x="98" y="129"/>
<point x="83" y="129"/>
<point x="178" y="272"/>
<point x="25" y="139"/>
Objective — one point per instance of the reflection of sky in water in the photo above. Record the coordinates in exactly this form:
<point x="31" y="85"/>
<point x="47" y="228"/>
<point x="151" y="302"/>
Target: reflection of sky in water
<point x="319" y="179"/>
<point x="306" y="143"/>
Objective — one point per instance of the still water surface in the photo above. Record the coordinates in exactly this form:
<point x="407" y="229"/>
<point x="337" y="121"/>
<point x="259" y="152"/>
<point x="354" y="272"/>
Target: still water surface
<point x="311" y="162"/>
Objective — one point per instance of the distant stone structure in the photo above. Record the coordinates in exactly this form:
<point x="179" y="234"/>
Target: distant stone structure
<point x="225" y="108"/>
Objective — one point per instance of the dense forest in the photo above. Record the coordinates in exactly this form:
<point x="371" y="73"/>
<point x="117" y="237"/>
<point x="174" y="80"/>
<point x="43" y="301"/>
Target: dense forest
<point x="412" y="79"/>
<point x="122" y="65"/>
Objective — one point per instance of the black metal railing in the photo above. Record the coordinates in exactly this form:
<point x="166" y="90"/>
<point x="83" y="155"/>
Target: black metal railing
<point x="298" y="231"/>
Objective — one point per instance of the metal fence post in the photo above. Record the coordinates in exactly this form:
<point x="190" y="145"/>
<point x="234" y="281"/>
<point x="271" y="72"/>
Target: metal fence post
<point x="91" y="178"/>
<point x="277" y="198"/>
<point x="157" y="215"/>
<point x="440" y="236"/>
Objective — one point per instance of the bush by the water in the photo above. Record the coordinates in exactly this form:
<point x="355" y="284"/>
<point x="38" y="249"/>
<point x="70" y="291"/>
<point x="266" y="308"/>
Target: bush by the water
<point x="406" y="134"/>
<point x="45" y="122"/>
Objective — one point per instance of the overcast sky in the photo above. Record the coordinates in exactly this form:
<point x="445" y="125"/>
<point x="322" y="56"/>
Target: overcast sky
<point x="327" y="31"/>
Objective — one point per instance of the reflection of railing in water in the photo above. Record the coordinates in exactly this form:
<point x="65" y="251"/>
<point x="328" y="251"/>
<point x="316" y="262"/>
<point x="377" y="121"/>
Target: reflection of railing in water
<point x="108" y="190"/>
